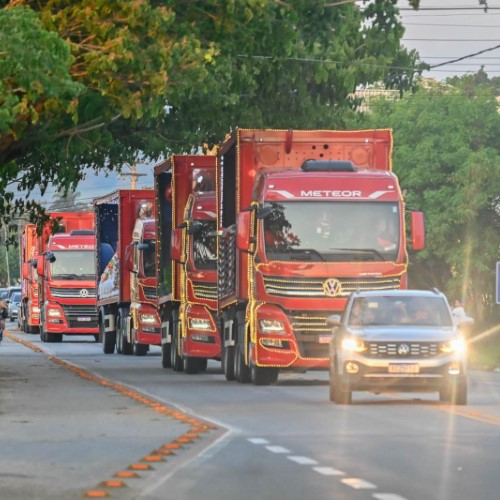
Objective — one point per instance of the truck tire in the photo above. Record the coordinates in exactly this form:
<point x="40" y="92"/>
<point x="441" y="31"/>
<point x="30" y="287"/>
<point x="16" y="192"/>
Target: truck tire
<point x="140" y="349"/>
<point x="192" y="365"/>
<point x="175" y="358"/>
<point x="108" y="339"/>
<point x="242" y="372"/>
<point x="53" y="337"/>
<point x="227" y="355"/>
<point x="263" y="375"/>
<point x="166" y="362"/>
<point x="126" y="347"/>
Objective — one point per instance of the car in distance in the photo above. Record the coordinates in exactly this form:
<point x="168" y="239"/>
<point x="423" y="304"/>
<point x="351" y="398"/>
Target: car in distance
<point x="395" y="341"/>
<point x="13" y="308"/>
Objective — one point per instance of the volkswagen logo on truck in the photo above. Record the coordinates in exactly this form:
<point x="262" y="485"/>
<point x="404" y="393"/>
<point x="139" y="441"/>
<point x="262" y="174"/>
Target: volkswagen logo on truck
<point x="332" y="287"/>
<point x="84" y="293"/>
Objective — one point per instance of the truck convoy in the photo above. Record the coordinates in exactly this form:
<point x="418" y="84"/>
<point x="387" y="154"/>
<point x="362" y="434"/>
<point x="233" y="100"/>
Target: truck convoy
<point x="304" y="218"/>
<point x="185" y="187"/>
<point x="64" y="261"/>
<point x="127" y="286"/>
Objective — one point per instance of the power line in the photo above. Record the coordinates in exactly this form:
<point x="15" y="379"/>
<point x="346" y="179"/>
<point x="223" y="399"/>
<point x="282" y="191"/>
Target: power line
<point x="465" y="57"/>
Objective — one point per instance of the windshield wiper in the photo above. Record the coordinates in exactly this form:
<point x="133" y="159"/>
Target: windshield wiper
<point x="304" y="252"/>
<point x="371" y="251"/>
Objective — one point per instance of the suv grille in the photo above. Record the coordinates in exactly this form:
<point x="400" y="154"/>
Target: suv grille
<point x="390" y="349"/>
<point x="278" y="286"/>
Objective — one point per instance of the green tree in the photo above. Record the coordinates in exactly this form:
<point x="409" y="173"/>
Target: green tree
<point x="109" y="80"/>
<point x="447" y="157"/>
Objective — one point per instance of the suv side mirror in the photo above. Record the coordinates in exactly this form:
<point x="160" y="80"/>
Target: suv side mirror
<point x="334" y="320"/>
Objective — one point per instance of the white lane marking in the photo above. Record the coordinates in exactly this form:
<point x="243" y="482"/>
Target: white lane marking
<point x="277" y="449"/>
<point x="358" y="484"/>
<point x="388" y="496"/>
<point x="302" y="460"/>
<point x="258" y="441"/>
<point x="329" y="471"/>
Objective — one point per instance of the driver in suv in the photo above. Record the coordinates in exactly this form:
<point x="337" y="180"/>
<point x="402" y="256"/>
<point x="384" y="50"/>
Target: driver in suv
<point x="397" y="340"/>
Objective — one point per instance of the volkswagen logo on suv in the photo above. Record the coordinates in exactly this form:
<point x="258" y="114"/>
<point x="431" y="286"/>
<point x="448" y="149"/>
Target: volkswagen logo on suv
<point x="84" y="293"/>
<point x="403" y="349"/>
<point x="332" y="287"/>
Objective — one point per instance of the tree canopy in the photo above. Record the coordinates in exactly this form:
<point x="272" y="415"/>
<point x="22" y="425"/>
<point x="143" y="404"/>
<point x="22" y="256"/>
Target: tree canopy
<point x="447" y="157"/>
<point x="94" y="84"/>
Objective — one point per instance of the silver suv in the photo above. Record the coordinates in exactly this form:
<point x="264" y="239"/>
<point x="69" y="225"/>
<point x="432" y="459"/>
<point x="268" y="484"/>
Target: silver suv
<point x="394" y="341"/>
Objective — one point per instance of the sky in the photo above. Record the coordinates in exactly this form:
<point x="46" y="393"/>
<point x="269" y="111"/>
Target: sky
<point x="442" y="30"/>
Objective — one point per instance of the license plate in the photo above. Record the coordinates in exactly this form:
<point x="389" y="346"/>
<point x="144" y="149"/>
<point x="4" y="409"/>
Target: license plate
<point x="84" y="318"/>
<point x="402" y="368"/>
<point x="325" y="339"/>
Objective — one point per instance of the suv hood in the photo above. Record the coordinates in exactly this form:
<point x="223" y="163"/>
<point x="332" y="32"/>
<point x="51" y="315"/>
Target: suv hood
<point x="408" y="333"/>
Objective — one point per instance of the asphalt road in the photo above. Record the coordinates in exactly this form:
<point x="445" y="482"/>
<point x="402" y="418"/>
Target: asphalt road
<point x="285" y="441"/>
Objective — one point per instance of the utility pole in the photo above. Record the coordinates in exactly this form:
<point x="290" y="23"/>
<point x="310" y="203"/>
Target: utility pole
<point x="7" y="255"/>
<point x="133" y="175"/>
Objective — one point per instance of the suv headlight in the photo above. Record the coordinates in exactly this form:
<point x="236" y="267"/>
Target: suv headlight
<point x="353" y="344"/>
<point x="458" y="346"/>
<point x="271" y="326"/>
<point x="200" y="324"/>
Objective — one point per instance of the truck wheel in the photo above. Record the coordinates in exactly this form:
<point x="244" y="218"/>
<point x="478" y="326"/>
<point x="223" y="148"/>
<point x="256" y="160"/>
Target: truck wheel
<point x="140" y="349"/>
<point x="227" y="355"/>
<point x="96" y="337"/>
<point x="126" y="346"/>
<point x="53" y="337"/>
<point x="242" y="372"/>
<point x="263" y="375"/>
<point x="108" y="339"/>
<point x="43" y="336"/>
<point x="192" y="365"/>
<point x="175" y="359"/>
<point x="165" y="356"/>
<point x="203" y="364"/>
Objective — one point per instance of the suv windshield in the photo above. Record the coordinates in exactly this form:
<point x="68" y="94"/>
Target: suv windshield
<point x="387" y="311"/>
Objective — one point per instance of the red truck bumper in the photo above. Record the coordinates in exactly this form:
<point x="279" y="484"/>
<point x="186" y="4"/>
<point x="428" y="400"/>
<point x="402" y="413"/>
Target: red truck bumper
<point x="148" y="338"/>
<point x="283" y="357"/>
<point x="202" y="345"/>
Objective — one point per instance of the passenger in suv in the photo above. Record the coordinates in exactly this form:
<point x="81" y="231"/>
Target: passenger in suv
<point x="398" y="340"/>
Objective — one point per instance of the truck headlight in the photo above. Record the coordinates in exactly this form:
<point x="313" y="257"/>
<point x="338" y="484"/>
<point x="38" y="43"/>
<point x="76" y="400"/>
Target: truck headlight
<point x="200" y="324"/>
<point x="148" y="319"/>
<point x="54" y="313"/>
<point x="35" y="309"/>
<point x="458" y="346"/>
<point x="353" y="344"/>
<point x="271" y="326"/>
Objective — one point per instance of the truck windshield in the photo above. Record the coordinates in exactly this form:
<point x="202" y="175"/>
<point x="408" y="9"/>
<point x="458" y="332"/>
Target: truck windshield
<point x="204" y="245"/>
<point x="332" y="231"/>
<point x="148" y="259"/>
<point x="73" y="265"/>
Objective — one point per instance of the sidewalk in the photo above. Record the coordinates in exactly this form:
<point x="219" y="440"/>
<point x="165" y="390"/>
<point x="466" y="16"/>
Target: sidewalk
<point x="62" y="435"/>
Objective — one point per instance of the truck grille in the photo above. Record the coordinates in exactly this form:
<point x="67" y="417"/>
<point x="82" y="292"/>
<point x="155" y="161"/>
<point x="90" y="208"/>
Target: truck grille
<point x="278" y="286"/>
<point x="390" y="349"/>
<point x="71" y="293"/>
<point x="76" y="316"/>
<point x="204" y="290"/>
<point x="150" y="292"/>
<point x="308" y="327"/>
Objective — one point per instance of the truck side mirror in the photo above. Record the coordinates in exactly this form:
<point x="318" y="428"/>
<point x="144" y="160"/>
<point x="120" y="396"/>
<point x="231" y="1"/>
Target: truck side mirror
<point x="243" y="234"/>
<point x="417" y="231"/>
<point x="40" y="268"/>
<point x="129" y="258"/>
<point x="176" y="244"/>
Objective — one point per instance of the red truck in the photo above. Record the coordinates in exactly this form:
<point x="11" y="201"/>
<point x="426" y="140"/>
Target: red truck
<point x="29" y="310"/>
<point x="185" y="187"/>
<point x="304" y="218"/>
<point x="66" y="277"/>
<point x="126" y="271"/>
